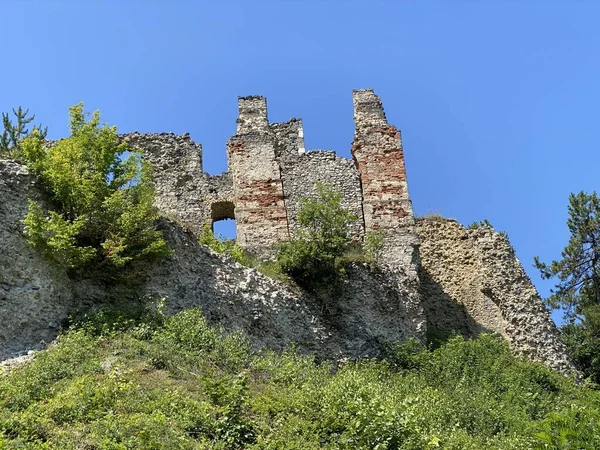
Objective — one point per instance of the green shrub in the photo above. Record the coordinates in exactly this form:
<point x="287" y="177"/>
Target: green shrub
<point x="184" y="384"/>
<point x="321" y="238"/>
<point x="102" y="194"/>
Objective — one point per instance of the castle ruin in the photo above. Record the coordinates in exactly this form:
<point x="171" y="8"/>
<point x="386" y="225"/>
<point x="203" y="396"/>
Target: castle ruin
<point x="434" y="275"/>
<point x="269" y="171"/>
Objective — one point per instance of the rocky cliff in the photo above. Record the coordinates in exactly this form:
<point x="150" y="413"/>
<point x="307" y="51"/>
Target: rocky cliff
<point x="472" y="282"/>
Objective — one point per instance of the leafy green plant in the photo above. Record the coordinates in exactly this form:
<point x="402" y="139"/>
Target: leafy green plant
<point x="373" y="243"/>
<point x="177" y="382"/>
<point x="321" y="238"/>
<point x="101" y="195"/>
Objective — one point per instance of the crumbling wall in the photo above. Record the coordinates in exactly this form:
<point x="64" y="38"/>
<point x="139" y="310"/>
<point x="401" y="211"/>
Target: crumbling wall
<point x="270" y="171"/>
<point x="260" y="213"/>
<point x="471" y="282"/>
<point x="183" y="191"/>
<point x="301" y="174"/>
<point x="379" y="157"/>
<point x="387" y="209"/>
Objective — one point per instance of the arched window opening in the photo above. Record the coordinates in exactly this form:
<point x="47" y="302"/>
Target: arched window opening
<point x="223" y="220"/>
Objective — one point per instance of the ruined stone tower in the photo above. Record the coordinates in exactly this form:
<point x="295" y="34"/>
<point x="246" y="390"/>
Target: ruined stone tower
<point x="270" y="171"/>
<point x="257" y="188"/>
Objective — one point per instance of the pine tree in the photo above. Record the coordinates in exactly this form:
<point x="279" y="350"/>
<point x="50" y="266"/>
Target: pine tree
<point x="14" y="133"/>
<point x="579" y="269"/>
<point x="578" y="289"/>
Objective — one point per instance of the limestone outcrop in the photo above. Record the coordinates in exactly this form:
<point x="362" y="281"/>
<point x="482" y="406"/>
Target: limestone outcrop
<point x="472" y="282"/>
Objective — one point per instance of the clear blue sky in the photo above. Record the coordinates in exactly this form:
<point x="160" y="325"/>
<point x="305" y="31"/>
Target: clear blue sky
<point x="498" y="101"/>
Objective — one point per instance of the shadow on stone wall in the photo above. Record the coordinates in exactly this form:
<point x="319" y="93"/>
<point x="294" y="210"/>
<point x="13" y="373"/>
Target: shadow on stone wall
<point x="445" y="315"/>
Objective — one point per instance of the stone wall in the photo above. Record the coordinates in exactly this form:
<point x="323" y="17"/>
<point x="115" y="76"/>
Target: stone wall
<point x="177" y="163"/>
<point x="183" y="191"/>
<point x="269" y="171"/>
<point x="472" y="282"/>
<point x="301" y="174"/>
<point x="35" y="297"/>
<point x="260" y="214"/>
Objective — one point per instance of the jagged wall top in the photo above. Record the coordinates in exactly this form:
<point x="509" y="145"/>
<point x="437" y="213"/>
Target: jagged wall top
<point x="269" y="171"/>
<point x="252" y="114"/>
<point x="368" y="109"/>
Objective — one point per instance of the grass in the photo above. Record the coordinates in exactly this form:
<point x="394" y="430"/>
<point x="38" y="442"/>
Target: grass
<point x="150" y="382"/>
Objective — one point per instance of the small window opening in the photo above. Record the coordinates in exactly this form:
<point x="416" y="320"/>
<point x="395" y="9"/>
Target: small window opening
<point x="223" y="220"/>
<point x="224" y="230"/>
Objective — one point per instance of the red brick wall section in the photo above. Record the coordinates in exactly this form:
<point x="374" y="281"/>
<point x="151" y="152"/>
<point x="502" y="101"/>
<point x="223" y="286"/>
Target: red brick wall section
<point x="377" y="152"/>
<point x="260" y="213"/>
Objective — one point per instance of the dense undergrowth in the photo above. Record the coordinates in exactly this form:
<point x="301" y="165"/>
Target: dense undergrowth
<point x="158" y="383"/>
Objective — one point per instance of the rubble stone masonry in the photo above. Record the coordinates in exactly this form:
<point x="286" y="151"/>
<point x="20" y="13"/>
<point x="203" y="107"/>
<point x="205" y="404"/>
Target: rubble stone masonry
<point x="467" y="281"/>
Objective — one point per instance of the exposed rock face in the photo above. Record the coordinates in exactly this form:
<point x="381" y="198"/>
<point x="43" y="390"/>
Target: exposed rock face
<point x="471" y="282"/>
<point x="366" y="312"/>
<point x="34" y="296"/>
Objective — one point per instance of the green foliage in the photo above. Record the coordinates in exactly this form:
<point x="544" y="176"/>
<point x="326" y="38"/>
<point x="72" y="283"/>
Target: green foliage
<point x="102" y="193"/>
<point x="574" y="428"/>
<point x="582" y="339"/>
<point x="483" y="223"/>
<point x="152" y="382"/>
<point x="14" y="133"/>
<point x="373" y="243"/>
<point x="487" y="224"/>
<point x="578" y="271"/>
<point x="577" y="292"/>
<point x="321" y="238"/>
<point x="227" y="246"/>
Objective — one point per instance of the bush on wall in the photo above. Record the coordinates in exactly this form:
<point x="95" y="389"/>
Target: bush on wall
<point x="101" y="195"/>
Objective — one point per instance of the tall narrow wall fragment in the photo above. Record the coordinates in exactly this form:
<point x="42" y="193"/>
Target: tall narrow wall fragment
<point x="387" y="209"/>
<point x="260" y="213"/>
